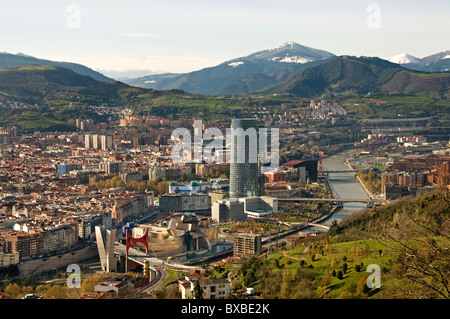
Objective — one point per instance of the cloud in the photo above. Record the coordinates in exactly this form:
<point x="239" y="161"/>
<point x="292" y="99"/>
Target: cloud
<point x="137" y="35"/>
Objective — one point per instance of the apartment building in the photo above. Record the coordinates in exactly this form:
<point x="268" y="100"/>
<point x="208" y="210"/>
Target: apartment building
<point x="215" y="288"/>
<point x="245" y="244"/>
<point x="210" y="288"/>
<point x="39" y="243"/>
<point x="8" y="259"/>
<point x="25" y="244"/>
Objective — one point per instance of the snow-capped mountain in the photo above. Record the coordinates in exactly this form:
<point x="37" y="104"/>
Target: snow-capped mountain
<point x="290" y="52"/>
<point x="266" y="69"/>
<point x="403" y="58"/>
<point x="243" y="75"/>
<point x="439" y="62"/>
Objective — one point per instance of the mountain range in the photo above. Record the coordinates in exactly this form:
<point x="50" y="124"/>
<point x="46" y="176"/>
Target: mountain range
<point x="8" y="60"/>
<point x="288" y="69"/>
<point x="267" y="69"/>
<point x="241" y="76"/>
<point x="439" y="62"/>
<point x="362" y="75"/>
<point x="50" y="85"/>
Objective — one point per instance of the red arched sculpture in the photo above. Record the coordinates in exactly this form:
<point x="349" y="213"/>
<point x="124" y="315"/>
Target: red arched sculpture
<point x="143" y="240"/>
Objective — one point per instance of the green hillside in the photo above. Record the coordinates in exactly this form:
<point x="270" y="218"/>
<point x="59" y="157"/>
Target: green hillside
<point x="48" y="92"/>
<point x="8" y="60"/>
<point x="34" y="84"/>
<point x="408" y="240"/>
<point x="352" y="75"/>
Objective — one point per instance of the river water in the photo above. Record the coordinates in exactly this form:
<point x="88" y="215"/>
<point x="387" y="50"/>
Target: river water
<point x="344" y="185"/>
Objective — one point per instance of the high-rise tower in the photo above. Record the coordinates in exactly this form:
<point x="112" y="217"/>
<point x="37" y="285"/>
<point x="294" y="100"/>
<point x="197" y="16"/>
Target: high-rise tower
<point x="244" y="159"/>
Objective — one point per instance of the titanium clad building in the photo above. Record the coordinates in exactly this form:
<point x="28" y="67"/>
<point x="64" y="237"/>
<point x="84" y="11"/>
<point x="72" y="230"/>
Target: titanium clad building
<point x="244" y="166"/>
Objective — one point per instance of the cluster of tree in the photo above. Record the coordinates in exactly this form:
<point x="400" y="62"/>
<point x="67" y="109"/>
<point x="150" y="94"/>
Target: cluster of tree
<point x="56" y="291"/>
<point x="372" y="180"/>
<point x="279" y="278"/>
<point x="275" y="281"/>
<point x="416" y="233"/>
<point x="301" y="212"/>
<point x="158" y="186"/>
<point x="254" y="227"/>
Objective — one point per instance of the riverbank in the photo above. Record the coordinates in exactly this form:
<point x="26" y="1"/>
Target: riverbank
<point x="344" y="185"/>
<point x="338" y="188"/>
<point x="369" y="193"/>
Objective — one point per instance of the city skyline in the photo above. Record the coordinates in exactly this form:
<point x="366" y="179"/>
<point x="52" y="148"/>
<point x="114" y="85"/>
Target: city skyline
<point x="175" y="36"/>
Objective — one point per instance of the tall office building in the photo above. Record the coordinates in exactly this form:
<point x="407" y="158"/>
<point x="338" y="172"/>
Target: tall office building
<point x="245" y="178"/>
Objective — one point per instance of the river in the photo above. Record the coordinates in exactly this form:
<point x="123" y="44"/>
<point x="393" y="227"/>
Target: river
<point x="344" y="185"/>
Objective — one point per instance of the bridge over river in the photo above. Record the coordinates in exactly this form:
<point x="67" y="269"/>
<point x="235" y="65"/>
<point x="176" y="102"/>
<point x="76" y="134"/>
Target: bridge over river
<point x="325" y="173"/>
<point x="342" y="171"/>
<point x="338" y="201"/>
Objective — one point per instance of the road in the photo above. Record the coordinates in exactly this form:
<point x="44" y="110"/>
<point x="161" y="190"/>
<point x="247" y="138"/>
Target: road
<point x="158" y="265"/>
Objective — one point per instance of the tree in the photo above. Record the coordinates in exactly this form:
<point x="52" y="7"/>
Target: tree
<point x="197" y="291"/>
<point x="420" y="238"/>
<point x="88" y="284"/>
<point x="272" y="285"/>
<point x="285" y="288"/>
<point x="306" y="288"/>
<point x="170" y="292"/>
<point x="361" y="287"/>
<point x="13" y="289"/>
<point x="41" y="290"/>
<point x="162" y="187"/>
<point x="325" y="281"/>
<point x="344" y="267"/>
<point x="26" y="290"/>
<point x="58" y="291"/>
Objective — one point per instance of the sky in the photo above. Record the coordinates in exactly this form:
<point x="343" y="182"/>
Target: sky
<point x="178" y="36"/>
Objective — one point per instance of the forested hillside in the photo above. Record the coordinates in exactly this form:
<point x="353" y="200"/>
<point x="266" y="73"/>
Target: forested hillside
<point x="408" y="240"/>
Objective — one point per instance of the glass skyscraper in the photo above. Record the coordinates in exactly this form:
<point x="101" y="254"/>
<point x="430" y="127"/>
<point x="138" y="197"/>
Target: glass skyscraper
<point x="245" y="178"/>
